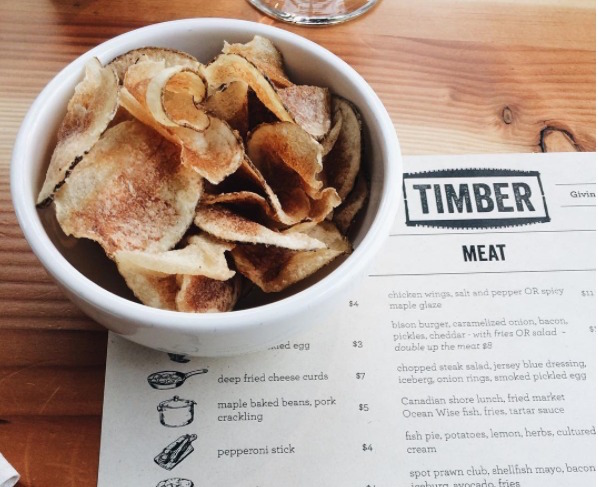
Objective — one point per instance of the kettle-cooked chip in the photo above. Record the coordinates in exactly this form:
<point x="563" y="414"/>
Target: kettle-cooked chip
<point x="226" y="225"/>
<point x="330" y="138"/>
<point x="139" y="112"/>
<point x="289" y="201"/>
<point x="227" y="68"/>
<point x="284" y="142"/>
<point x="214" y="152"/>
<point x="249" y="179"/>
<point x="173" y="96"/>
<point x="185" y="279"/>
<point x="344" y="160"/>
<point x="121" y="115"/>
<point x="88" y="114"/>
<point x="261" y="52"/>
<point x="246" y="200"/>
<point x="231" y="104"/>
<point x="323" y="203"/>
<point x="309" y="106"/>
<point x="258" y="113"/>
<point x="139" y="75"/>
<point x="274" y="269"/>
<point x="352" y="205"/>
<point x="129" y="192"/>
<point x="171" y="57"/>
<point x="202" y="256"/>
<point x="199" y="294"/>
<point x="155" y="289"/>
<point x="289" y="159"/>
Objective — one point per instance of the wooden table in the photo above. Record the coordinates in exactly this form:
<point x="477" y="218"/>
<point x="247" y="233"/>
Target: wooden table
<point x="457" y="76"/>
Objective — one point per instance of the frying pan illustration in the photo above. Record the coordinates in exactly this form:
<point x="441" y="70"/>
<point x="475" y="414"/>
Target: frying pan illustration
<point x="171" y="379"/>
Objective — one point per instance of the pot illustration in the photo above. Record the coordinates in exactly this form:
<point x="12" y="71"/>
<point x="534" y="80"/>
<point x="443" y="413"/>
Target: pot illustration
<point x="176" y="412"/>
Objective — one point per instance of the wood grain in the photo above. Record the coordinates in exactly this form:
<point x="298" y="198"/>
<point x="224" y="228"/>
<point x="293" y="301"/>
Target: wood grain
<point x="52" y="451"/>
<point x="457" y="76"/>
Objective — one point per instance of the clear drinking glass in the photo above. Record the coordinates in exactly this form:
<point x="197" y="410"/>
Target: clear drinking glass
<point x="313" y="12"/>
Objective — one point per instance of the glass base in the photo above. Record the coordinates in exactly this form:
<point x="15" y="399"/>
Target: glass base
<point x="313" y="12"/>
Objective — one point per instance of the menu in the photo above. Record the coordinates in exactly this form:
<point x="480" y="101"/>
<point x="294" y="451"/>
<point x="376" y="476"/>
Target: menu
<point x="465" y="358"/>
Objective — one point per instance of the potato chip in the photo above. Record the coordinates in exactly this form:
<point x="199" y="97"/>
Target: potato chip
<point x="129" y="192"/>
<point x="195" y="278"/>
<point x="202" y="256"/>
<point x="352" y="205"/>
<point x="226" y="225"/>
<point x="214" y="152"/>
<point x="171" y="57"/>
<point x="227" y="68"/>
<point x="309" y="106"/>
<point x="288" y="200"/>
<point x="121" y="115"/>
<point x="139" y="112"/>
<point x="264" y="55"/>
<point x="289" y="159"/>
<point x="330" y="138"/>
<point x="138" y="77"/>
<point x="248" y="179"/>
<point x="88" y="114"/>
<point x="170" y="95"/>
<point x="245" y="202"/>
<point x="199" y="294"/>
<point x="274" y="269"/>
<point x="154" y="289"/>
<point x="344" y="160"/>
<point x="173" y="96"/>
<point x="302" y="227"/>
<point x="231" y="104"/>
<point x="258" y="112"/>
<point x="322" y="204"/>
<point x="283" y="142"/>
<point x="325" y="232"/>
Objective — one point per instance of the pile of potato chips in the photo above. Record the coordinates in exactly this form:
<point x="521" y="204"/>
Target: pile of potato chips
<point x="198" y="179"/>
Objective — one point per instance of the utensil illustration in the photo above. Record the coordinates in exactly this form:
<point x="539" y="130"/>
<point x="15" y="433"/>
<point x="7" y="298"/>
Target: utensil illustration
<point x="175" y="452"/>
<point x="171" y="379"/>
<point x="176" y="412"/>
<point x="179" y="358"/>
<point x="175" y="482"/>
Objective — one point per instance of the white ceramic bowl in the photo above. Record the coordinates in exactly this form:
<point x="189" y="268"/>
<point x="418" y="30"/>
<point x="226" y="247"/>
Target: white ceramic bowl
<point x="78" y="266"/>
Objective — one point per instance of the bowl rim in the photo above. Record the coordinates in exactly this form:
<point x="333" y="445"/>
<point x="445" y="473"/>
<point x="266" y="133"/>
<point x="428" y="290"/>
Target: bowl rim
<point x="96" y="296"/>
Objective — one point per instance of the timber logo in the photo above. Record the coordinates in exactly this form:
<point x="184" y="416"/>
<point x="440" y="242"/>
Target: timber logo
<point x="474" y="198"/>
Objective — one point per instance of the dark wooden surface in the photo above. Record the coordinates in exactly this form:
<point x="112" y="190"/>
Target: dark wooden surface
<point x="457" y="76"/>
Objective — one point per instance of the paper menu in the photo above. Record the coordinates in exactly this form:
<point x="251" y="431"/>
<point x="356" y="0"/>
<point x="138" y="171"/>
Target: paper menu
<point x="465" y="358"/>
